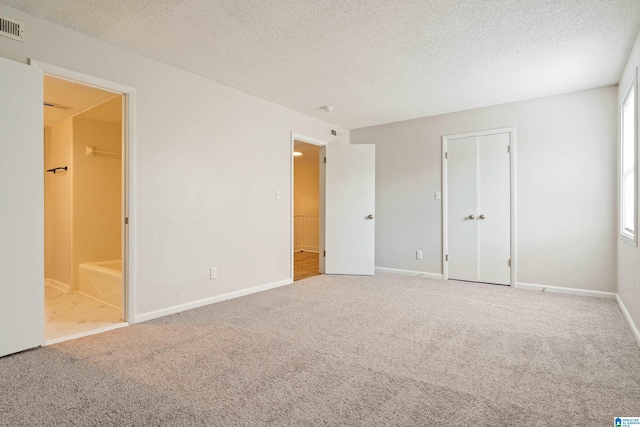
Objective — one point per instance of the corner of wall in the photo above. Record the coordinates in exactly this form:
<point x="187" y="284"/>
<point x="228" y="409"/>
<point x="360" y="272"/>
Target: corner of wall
<point x="628" y="256"/>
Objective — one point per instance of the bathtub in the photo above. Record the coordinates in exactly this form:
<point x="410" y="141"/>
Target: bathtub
<point x="102" y="281"/>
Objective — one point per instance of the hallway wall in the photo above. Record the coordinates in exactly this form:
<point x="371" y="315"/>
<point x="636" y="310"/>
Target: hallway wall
<point x="207" y="160"/>
<point x="306" y="206"/>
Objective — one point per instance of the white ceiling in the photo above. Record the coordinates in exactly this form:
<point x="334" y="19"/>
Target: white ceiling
<point x="376" y="61"/>
<point x="76" y="99"/>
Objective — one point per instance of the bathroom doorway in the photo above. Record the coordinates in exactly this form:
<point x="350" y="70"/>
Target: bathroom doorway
<point x="306" y="209"/>
<point x="84" y="159"/>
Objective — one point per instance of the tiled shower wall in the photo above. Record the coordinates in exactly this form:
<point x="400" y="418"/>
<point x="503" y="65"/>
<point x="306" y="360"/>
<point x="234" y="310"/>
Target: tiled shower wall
<point x="97" y="183"/>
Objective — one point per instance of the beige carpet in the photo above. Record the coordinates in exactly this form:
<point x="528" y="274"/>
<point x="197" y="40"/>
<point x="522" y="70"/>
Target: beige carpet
<point x="330" y="350"/>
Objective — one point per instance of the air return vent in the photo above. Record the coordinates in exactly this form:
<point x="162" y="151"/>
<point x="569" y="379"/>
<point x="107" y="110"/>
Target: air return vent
<point x="11" y="28"/>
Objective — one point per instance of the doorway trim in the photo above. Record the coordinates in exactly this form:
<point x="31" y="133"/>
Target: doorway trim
<point x="512" y="170"/>
<point x="322" y="144"/>
<point x="128" y="171"/>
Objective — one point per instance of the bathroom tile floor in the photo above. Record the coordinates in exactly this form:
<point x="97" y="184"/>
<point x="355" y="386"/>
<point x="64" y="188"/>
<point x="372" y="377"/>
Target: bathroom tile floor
<point x="70" y="314"/>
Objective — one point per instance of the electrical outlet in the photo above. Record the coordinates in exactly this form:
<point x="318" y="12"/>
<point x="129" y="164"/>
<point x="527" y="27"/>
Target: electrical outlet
<point x="436" y="195"/>
<point x="418" y="254"/>
<point x="213" y="273"/>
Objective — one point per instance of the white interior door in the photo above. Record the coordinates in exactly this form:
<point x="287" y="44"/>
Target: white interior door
<point x="462" y="199"/>
<point x="494" y="209"/>
<point x="349" y="209"/>
<point x="479" y="207"/>
<point x="21" y="207"/>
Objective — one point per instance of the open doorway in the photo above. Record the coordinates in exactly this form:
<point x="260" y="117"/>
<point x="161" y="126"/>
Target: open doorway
<point x="83" y="188"/>
<point x="306" y="210"/>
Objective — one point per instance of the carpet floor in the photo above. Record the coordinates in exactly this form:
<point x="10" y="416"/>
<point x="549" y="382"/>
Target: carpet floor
<point x="341" y="350"/>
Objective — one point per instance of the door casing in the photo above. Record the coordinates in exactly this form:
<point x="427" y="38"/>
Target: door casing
<point x="445" y="226"/>
<point x="322" y="144"/>
<point x="128" y="172"/>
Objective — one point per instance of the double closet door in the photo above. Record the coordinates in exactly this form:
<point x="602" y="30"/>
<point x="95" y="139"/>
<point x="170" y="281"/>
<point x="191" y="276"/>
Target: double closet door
<point x="478" y="206"/>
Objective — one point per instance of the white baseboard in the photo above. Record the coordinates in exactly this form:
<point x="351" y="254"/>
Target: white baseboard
<point x="58" y="285"/>
<point x="625" y="313"/>
<point x="569" y="291"/>
<point x="206" y="301"/>
<point x="409" y="272"/>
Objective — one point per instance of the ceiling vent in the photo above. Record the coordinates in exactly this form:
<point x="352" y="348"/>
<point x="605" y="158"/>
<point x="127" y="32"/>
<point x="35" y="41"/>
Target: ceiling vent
<point x="11" y="28"/>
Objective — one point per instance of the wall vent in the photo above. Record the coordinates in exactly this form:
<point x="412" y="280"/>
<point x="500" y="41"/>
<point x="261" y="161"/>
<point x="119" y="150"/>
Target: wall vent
<point x="11" y="28"/>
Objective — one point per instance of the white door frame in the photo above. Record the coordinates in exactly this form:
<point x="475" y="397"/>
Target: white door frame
<point x="128" y="172"/>
<point x="445" y="230"/>
<point x="322" y="144"/>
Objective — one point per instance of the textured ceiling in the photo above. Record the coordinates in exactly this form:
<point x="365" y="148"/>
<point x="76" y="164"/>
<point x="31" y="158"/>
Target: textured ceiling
<point x="376" y="61"/>
<point x="76" y="98"/>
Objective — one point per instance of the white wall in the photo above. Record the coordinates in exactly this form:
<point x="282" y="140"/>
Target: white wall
<point x="628" y="255"/>
<point x="48" y="218"/>
<point x="58" y="204"/>
<point x="209" y="159"/>
<point x="566" y="188"/>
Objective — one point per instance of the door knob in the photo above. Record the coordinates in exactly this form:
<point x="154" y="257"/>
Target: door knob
<point x="472" y="217"/>
<point x="482" y="216"/>
<point x="368" y="216"/>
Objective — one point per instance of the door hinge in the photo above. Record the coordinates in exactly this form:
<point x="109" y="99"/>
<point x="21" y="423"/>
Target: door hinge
<point x="324" y="253"/>
<point x="509" y="262"/>
<point x="446" y="257"/>
<point x="126" y="221"/>
<point x="508" y="148"/>
<point x="325" y="160"/>
<point x="446" y="155"/>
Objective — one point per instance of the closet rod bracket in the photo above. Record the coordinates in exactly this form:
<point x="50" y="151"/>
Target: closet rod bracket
<point x="57" y="169"/>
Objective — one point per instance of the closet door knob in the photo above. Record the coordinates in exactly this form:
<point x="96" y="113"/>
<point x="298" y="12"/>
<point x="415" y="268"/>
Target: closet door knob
<point x="472" y="217"/>
<point x="482" y="216"/>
